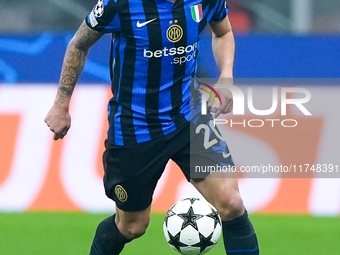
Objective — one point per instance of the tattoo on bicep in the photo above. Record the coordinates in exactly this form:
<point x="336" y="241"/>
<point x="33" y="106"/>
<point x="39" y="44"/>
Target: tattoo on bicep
<point x="86" y="37"/>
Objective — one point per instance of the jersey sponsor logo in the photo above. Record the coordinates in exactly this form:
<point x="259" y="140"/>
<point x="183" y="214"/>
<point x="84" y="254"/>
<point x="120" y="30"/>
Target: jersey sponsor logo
<point x="144" y="23"/>
<point x="121" y="193"/>
<point x="188" y="53"/>
<point x="196" y="12"/>
<point x="98" y="10"/>
<point x="174" y="33"/>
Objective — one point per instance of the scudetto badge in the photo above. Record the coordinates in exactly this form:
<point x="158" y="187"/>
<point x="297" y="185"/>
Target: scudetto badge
<point x="121" y="193"/>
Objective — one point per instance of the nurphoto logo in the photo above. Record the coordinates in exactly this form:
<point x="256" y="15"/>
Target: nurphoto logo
<point x="239" y="104"/>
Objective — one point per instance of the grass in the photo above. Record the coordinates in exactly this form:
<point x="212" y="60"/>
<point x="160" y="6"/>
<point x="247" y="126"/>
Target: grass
<point x="71" y="233"/>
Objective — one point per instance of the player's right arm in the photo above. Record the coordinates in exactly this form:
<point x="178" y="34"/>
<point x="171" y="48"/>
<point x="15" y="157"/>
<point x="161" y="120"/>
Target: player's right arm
<point x="58" y="118"/>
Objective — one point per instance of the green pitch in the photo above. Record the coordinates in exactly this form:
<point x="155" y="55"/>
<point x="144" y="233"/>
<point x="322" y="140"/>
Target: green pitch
<point x="71" y="234"/>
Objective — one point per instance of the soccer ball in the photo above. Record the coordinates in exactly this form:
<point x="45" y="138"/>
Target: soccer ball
<point x="192" y="226"/>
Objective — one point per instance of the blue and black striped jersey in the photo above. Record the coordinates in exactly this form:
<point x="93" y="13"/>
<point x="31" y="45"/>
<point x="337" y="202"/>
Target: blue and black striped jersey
<point x="153" y="58"/>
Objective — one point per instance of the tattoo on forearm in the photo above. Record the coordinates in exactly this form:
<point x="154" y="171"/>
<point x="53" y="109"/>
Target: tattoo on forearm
<point x="63" y="93"/>
<point x="72" y="57"/>
<point x="68" y="75"/>
<point x="74" y="60"/>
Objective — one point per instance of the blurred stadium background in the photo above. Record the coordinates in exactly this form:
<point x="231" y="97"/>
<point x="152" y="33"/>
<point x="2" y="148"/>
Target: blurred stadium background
<point x="44" y="209"/>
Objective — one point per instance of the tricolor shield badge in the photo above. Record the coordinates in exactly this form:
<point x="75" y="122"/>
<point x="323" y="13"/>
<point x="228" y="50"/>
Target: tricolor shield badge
<point x="196" y="12"/>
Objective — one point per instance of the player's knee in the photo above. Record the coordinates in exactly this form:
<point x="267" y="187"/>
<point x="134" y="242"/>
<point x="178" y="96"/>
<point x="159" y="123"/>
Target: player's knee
<point x="132" y="224"/>
<point x="135" y="229"/>
<point x="230" y="207"/>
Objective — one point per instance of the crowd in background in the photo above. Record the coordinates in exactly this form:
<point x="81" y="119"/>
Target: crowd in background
<point x="260" y="16"/>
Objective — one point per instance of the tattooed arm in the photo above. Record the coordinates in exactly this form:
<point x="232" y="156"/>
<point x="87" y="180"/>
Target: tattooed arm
<point x="58" y="118"/>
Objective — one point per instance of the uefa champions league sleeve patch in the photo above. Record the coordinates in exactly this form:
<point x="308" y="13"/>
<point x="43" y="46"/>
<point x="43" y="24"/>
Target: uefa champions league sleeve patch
<point x="98" y="10"/>
<point x="93" y="21"/>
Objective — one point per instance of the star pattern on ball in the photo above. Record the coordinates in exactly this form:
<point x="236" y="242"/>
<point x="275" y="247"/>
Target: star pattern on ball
<point x="214" y="215"/>
<point x="192" y="226"/>
<point x="174" y="241"/>
<point x="190" y="218"/>
<point x="168" y="215"/>
<point x="192" y="199"/>
<point x="204" y="242"/>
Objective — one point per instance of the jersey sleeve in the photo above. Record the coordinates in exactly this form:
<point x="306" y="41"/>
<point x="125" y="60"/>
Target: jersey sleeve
<point x="104" y="17"/>
<point x="221" y="11"/>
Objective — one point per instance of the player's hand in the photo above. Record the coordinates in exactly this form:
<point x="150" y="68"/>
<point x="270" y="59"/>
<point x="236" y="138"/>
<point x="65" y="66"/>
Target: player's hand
<point x="227" y="102"/>
<point x="58" y="120"/>
<point x="225" y="95"/>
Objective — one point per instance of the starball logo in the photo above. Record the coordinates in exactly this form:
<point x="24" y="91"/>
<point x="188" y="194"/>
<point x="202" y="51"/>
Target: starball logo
<point x="239" y="103"/>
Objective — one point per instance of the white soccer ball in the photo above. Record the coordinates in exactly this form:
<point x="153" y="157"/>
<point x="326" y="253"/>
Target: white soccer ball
<point x="192" y="226"/>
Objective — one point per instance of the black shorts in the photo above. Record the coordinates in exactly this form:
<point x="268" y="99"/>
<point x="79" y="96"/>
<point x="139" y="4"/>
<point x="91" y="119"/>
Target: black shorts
<point x="132" y="171"/>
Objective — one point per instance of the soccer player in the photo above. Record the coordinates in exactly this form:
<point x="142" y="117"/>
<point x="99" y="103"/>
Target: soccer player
<point x="153" y="60"/>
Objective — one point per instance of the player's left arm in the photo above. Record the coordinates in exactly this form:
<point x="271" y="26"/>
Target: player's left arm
<point x="223" y="46"/>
